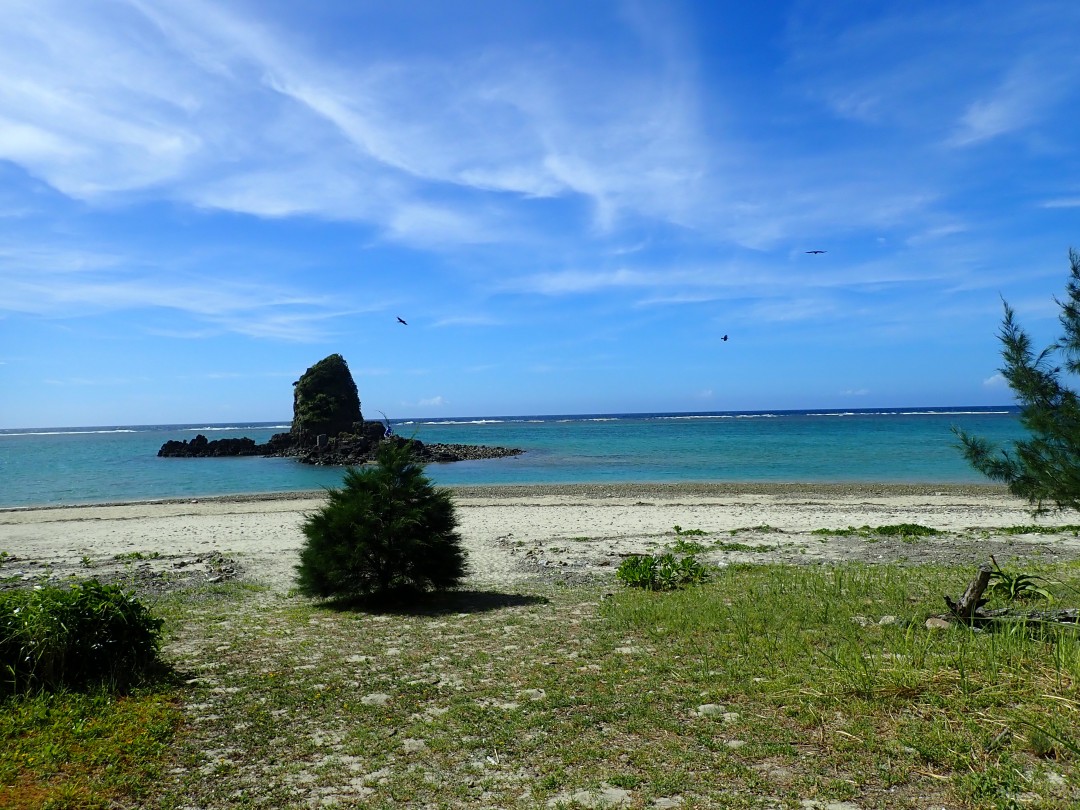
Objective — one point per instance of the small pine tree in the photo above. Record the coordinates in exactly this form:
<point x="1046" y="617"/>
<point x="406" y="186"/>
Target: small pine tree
<point x="1046" y="467"/>
<point x="388" y="530"/>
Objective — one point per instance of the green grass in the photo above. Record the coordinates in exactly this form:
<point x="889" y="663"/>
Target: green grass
<point x="73" y="750"/>
<point x="766" y="687"/>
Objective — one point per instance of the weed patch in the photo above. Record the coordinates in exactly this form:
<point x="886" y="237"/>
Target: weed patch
<point x="663" y="573"/>
<point x="906" y="532"/>
<point x="83" y="750"/>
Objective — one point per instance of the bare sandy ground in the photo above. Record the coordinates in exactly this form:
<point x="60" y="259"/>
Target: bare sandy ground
<point x="516" y="533"/>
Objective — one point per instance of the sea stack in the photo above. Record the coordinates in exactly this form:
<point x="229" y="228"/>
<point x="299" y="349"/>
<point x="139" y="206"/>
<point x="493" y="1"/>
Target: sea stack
<point x="325" y="402"/>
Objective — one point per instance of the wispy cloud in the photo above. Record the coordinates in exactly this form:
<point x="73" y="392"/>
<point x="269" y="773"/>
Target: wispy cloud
<point x="96" y="382"/>
<point x="155" y="96"/>
<point x="1015" y="104"/>
<point x="65" y="284"/>
<point x="468" y="320"/>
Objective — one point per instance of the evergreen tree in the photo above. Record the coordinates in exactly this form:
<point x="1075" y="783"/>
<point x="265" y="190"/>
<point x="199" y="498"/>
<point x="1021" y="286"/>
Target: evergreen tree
<point x="388" y="530"/>
<point x="1046" y="467"/>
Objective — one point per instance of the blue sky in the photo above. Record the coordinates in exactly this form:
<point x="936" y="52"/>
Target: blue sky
<point x="570" y="203"/>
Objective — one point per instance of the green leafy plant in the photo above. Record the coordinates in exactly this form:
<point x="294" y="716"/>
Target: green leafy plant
<point x="636" y="571"/>
<point x="135" y="556"/>
<point x="764" y="528"/>
<point x="903" y="531"/>
<point x="665" y="572"/>
<point x="88" y="633"/>
<point x="1069" y="528"/>
<point x="679" y="530"/>
<point x="1017" y="587"/>
<point x="687" y="547"/>
<point x="386" y="531"/>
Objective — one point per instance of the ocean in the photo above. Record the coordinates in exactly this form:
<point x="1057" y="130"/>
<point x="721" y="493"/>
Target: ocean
<point x="885" y="445"/>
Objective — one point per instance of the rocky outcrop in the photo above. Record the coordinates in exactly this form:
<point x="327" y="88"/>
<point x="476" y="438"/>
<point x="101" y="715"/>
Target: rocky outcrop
<point x="346" y="452"/>
<point x="328" y="428"/>
<point x="343" y="450"/>
<point x="201" y="447"/>
<point x="325" y="401"/>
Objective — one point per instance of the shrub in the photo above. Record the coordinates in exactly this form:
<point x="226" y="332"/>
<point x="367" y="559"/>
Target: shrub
<point x="89" y="633"/>
<point x="387" y="530"/>
<point x="663" y="573"/>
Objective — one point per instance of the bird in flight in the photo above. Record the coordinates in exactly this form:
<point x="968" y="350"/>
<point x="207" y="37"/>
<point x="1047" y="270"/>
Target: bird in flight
<point x="724" y="338"/>
<point x="401" y="321"/>
<point x="815" y="251"/>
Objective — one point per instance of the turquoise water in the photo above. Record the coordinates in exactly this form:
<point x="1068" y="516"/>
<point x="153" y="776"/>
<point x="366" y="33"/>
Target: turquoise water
<point x="912" y="445"/>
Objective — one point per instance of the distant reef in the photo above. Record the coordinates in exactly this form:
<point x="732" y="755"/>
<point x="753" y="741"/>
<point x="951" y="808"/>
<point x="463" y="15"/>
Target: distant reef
<point x="328" y="428"/>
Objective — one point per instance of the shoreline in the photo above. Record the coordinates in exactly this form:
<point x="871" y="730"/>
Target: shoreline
<point x="592" y="490"/>
<point x="514" y="534"/>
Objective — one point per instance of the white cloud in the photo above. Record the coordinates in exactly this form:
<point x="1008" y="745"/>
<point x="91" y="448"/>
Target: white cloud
<point x="203" y="104"/>
<point x="1016" y="104"/>
<point x="855" y="392"/>
<point x="432" y="402"/>
<point x="1062" y="202"/>
<point x="996" y="381"/>
<point x="578" y="281"/>
<point x="935" y="233"/>
<point x="468" y="320"/>
<point x="92" y="382"/>
<point x="59" y="283"/>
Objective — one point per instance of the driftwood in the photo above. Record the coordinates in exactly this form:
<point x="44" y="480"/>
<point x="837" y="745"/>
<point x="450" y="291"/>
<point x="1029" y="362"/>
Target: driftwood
<point x="968" y="609"/>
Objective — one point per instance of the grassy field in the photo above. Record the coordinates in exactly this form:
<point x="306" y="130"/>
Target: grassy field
<point x="772" y="686"/>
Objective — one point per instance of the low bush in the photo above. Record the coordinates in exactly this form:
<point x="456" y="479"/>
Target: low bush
<point x="387" y="531"/>
<point x="85" y="634"/>
<point x="663" y="573"/>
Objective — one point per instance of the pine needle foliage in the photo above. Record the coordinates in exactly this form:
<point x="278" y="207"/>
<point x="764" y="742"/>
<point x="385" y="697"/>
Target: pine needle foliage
<point x="386" y="532"/>
<point x="1044" y="469"/>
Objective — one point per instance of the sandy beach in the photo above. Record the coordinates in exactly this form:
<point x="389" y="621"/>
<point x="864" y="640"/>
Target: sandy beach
<point x="515" y="533"/>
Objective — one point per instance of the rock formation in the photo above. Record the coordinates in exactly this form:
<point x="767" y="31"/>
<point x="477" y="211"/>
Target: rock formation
<point x="328" y="428"/>
<point x="200" y="446"/>
<point x="325" y="401"/>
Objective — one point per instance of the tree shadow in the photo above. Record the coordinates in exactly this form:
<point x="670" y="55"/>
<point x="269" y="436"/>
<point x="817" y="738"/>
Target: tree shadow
<point x="438" y="603"/>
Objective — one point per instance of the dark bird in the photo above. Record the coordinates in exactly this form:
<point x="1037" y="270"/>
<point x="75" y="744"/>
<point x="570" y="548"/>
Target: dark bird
<point x="815" y="251"/>
<point x="401" y="321"/>
<point x="724" y="338"/>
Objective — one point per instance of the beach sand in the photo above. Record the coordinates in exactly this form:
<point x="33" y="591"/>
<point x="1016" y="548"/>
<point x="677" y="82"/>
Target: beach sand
<point x="517" y="533"/>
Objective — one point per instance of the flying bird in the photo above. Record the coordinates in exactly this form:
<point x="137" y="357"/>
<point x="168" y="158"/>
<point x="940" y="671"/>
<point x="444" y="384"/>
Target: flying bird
<point x="401" y="321"/>
<point x="815" y="251"/>
<point x="724" y="338"/>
